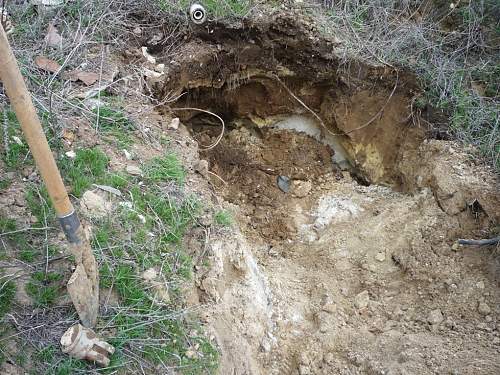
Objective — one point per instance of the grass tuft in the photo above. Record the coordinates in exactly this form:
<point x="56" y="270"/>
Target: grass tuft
<point x="7" y="293"/>
<point x="88" y="166"/>
<point x="166" y="168"/>
<point x="223" y="218"/>
<point x="44" y="288"/>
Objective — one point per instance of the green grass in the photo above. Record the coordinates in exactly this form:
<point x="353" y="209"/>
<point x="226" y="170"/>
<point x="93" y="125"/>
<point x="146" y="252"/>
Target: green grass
<point x="166" y="168"/>
<point x="88" y="167"/>
<point x="7" y="293"/>
<point x="117" y="180"/>
<point x="17" y="153"/>
<point x="114" y="123"/>
<point x="9" y="225"/>
<point x="28" y="255"/>
<point x="111" y="119"/>
<point x="38" y="202"/>
<point x="223" y="218"/>
<point x="4" y="183"/>
<point x="44" y="288"/>
<point x="167" y="218"/>
<point x="216" y="9"/>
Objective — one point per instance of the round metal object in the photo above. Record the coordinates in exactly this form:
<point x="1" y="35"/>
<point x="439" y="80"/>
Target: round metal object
<point x="198" y="14"/>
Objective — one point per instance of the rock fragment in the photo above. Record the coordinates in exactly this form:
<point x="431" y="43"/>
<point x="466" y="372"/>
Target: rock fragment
<point x="93" y="205"/>
<point x="174" y="124"/>
<point x="133" y="170"/>
<point x="362" y="300"/>
<point x="483" y="308"/>
<point x="435" y="317"/>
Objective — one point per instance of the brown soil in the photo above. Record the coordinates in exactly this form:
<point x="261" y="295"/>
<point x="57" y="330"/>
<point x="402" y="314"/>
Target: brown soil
<point x="251" y="164"/>
<point x="349" y="272"/>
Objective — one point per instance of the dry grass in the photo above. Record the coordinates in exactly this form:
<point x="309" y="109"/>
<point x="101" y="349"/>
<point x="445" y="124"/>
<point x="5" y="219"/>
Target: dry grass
<point x="452" y="50"/>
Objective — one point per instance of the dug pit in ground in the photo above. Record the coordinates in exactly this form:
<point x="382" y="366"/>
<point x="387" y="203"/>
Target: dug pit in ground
<point x="336" y="268"/>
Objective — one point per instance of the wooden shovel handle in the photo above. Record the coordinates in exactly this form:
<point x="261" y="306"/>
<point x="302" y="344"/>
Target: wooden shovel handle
<point x="20" y="100"/>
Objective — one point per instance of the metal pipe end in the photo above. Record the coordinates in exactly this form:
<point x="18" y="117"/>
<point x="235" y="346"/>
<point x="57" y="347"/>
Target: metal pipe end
<point x="198" y="14"/>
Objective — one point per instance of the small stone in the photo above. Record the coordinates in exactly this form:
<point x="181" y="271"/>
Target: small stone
<point x="160" y="68"/>
<point x="435" y="317"/>
<point x="454" y="247"/>
<point x="362" y="300"/>
<point x="150" y="274"/>
<point x="329" y="306"/>
<point x="93" y="205"/>
<point x="304" y="370"/>
<point x="283" y="183"/>
<point x="70" y="154"/>
<point x="174" y="124"/>
<point x="133" y="170"/>
<point x="127" y="154"/>
<point x="483" y="308"/>
<point x="488" y="318"/>
<point x="380" y="257"/>
<point x="480" y="285"/>
<point x="265" y="345"/>
<point x="190" y="354"/>
<point x="328" y="357"/>
<point x="201" y="166"/>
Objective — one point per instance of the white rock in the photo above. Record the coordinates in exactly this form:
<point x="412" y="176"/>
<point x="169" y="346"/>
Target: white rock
<point x="329" y="305"/>
<point x="201" y="167"/>
<point x="70" y="154"/>
<point x="435" y="317"/>
<point x="483" y="308"/>
<point x="380" y="257"/>
<point x="174" y="124"/>
<point x="160" y="68"/>
<point x="304" y="370"/>
<point x="133" y="170"/>
<point x="127" y="154"/>
<point x="265" y="345"/>
<point x="362" y="300"/>
<point x="150" y="274"/>
<point x="126" y="204"/>
<point x="93" y="205"/>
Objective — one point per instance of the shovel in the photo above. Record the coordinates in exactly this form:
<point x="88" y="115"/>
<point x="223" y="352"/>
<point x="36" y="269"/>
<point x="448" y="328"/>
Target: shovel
<point x="83" y="286"/>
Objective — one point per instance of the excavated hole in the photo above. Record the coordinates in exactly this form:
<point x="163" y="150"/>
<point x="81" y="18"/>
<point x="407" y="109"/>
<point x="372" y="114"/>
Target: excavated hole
<point x="291" y="114"/>
<point x="252" y="160"/>
<point x="275" y="158"/>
